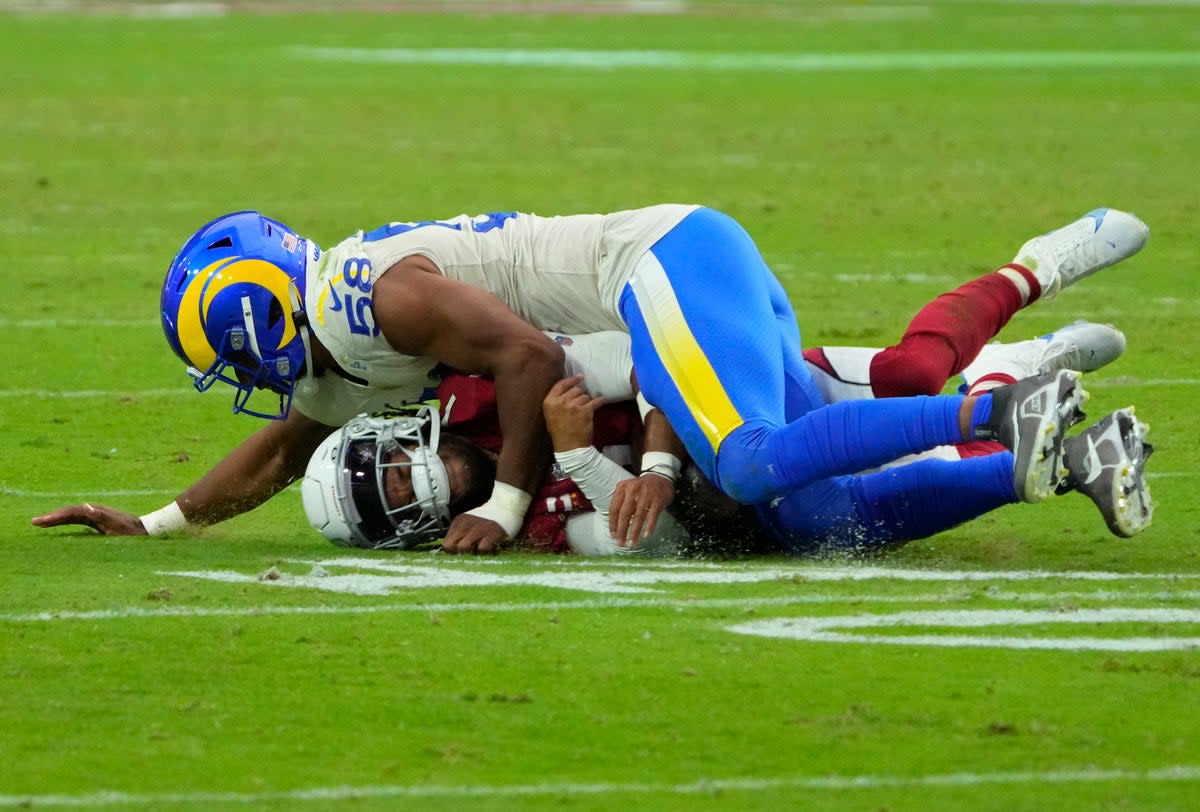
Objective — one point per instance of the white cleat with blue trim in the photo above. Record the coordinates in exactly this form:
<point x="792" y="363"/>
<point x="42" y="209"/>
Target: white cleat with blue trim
<point x="1100" y="238"/>
<point x="1084" y="346"/>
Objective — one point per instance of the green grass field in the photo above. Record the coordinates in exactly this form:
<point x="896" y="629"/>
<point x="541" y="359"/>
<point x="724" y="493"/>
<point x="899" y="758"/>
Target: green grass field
<point x="878" y="153"/>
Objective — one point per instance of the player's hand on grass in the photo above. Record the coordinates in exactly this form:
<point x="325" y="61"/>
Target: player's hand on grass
<point x="107" y="521"/>
<point x="636" y="506"/>
<point x="569" y="413"/>
<point x="473" y="534"/>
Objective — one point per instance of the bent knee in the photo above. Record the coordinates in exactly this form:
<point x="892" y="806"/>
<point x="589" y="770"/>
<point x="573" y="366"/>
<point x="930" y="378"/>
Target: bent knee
<point x="898" y="374"/>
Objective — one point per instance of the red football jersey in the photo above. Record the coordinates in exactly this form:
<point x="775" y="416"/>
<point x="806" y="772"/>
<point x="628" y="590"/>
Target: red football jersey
<point x="470" y="403"/>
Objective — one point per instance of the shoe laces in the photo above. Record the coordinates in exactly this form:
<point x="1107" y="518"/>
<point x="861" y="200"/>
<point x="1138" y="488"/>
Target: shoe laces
<point x="1064" y="354"/>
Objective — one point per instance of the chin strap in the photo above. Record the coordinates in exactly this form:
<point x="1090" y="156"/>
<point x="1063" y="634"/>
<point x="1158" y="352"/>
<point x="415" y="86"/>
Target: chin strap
<point x="300" y="319"/>
<point x="446" y="409"/>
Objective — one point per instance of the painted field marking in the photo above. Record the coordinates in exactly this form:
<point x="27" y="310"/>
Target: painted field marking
<point x="387" y="577"/>
<point x="829" y="629"/>
<point x="753" y="61"/>
<point x="703" y="786"/>
<point x="678" y="604"/>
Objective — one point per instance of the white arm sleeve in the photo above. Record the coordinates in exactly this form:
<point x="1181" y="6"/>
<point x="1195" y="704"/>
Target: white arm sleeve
<point x="605" y="360"/>
<point x="587" y="533"/>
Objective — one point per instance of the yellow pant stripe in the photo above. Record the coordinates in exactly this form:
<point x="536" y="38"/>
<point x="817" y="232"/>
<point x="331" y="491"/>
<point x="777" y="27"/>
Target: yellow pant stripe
<point x="680" y="353"/>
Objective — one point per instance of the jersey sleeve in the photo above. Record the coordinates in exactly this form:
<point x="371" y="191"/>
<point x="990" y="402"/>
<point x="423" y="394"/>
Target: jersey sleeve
<point x="587" y="533"/>
<point x="604" y="359"/>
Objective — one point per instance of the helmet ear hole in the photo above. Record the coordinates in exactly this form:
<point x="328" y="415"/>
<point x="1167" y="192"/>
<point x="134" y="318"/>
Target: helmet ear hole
<point x="274" y="313"/>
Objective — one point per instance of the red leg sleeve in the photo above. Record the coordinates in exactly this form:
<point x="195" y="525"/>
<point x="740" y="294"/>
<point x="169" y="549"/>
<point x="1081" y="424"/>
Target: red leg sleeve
<point x="944" y="337"/>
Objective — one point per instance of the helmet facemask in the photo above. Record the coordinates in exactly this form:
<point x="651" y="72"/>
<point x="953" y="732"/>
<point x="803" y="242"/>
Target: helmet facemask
<point x="367" y="449"/>
<point x="240" y="360"/>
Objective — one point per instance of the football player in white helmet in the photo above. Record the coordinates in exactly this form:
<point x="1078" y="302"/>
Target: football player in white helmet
<point x="393" y="479"/>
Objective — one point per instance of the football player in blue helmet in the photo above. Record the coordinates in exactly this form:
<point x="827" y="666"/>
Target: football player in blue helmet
<point x="327" y="335"/>
<point x="233" y="309"/>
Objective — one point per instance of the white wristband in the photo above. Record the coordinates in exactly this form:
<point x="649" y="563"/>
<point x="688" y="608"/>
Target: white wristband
<point x="661" y="463"/>
<point x="164" y="520"/>
<point x="506" y="507"/>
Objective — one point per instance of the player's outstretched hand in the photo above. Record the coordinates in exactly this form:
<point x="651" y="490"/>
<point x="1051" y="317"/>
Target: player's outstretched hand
<point x="108" y="521"/>
<point x="636" y="506"/>
<point x="569" y="413"/>
<point x="473" y="534"/>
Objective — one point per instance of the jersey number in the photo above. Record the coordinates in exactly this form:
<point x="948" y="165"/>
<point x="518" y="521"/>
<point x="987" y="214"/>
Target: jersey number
<point x="480" y="225"/>
<point x="356" y="273"/>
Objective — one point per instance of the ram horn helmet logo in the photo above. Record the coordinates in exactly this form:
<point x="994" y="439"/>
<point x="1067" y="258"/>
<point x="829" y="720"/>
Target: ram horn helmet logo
<point x="200" y="294"/>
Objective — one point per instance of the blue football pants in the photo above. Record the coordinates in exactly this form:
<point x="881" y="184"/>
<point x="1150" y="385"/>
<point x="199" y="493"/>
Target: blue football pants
<point x="716" y="346"/>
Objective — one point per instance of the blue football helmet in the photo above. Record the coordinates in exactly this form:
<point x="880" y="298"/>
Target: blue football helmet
<point x="233" y="308"/>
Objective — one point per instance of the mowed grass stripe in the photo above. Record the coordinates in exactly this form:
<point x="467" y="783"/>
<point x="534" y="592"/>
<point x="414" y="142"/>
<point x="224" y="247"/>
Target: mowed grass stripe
<point x="704" y="786"/>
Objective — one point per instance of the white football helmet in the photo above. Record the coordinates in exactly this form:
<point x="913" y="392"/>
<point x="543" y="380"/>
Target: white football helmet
<point x="343" y="489"/>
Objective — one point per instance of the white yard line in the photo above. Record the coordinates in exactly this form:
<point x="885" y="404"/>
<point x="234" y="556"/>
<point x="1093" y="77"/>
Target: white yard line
<point x="703" y="786"/>
<point x="184" y="10"/>
<point x="409" y="575"/>
<point x="753" y="61"/>
<point x="679" y="604"/>
<point x="832" y="629"/>
<point x="800" y="572"/>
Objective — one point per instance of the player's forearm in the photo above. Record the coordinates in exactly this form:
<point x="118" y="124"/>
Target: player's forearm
<point x="264" y="464"/>
<point x="229" y="490"/>
<point x="519" y="391"/>
<point x="523" y="457"/>
<point x="660" y="438"/>
<point x="595" y="474"/>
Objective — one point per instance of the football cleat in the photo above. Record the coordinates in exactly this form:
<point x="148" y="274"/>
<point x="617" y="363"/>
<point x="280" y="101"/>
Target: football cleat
<point x="1107" y="462"/>
<point x="1031" y="418"/>
<point x="233" y="311"/>
<point x="1100" y="238"/>
<point x="1083" y="346"/>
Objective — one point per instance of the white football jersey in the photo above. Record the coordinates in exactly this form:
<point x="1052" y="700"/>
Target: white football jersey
<point x="332" y="399"/>
<point x="561" y="274"/>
